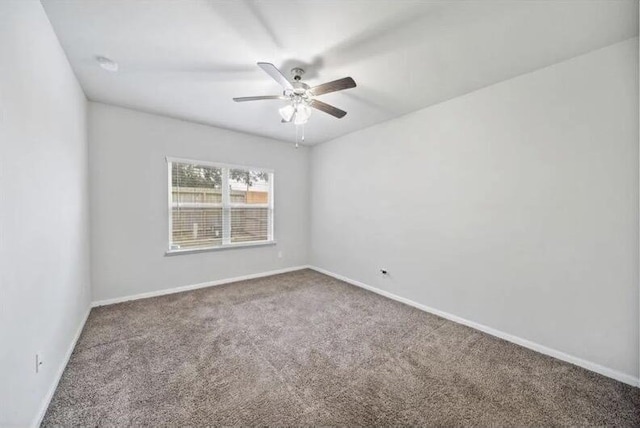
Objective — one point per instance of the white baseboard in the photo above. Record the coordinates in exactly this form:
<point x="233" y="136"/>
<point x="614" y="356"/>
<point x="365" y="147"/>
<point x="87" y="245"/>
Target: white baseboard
<point x="194" y="286"/>
<point x="47" y="399"/>
<point x="605" y="371"/>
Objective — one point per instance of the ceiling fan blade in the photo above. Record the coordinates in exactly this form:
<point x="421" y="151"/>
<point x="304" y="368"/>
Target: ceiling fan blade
<point x="262" y="97"/>
<point x="272" y="71"/>
<point x="336" y="85"/>
<point x="327" y="108"/>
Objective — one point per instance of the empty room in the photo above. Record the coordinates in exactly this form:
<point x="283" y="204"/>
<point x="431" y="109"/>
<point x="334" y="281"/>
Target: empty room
<point x="319" y="213"/>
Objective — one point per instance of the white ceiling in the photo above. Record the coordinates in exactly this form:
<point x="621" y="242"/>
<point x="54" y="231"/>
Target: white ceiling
<point x="188" y="58"/>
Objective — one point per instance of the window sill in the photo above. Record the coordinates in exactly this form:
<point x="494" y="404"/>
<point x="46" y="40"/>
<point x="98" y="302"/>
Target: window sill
<point x="219" y="248"/>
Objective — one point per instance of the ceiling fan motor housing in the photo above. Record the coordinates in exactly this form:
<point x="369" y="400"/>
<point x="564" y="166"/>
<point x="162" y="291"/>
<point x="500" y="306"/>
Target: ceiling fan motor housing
<point x="297" y="73"/>
<point x="299" y="91"/>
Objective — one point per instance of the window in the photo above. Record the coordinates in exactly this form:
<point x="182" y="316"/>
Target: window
<point x="217" y="206"/>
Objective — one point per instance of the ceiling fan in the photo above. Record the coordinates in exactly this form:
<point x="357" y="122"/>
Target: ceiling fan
<point x="300" y="95"/>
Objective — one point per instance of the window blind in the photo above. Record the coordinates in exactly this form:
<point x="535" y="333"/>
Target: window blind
<point x="216" y="206"/>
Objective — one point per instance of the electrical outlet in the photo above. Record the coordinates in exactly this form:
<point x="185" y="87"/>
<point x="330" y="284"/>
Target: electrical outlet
<point x="39" y="362"/>
<point x="279" y="254"/>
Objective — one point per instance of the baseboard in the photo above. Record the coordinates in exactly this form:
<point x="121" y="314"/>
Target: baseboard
<point x="47" y="399"/>
<point x="597" y="368"/>
<point x="194" y="286"/>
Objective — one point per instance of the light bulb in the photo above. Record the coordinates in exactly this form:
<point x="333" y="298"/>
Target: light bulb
<point x="287" y="112"/>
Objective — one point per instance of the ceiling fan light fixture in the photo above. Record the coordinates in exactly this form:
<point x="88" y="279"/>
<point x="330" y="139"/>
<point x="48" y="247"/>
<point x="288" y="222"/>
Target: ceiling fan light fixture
<point x="300" y="95"/>
<point x="287" y="112"/>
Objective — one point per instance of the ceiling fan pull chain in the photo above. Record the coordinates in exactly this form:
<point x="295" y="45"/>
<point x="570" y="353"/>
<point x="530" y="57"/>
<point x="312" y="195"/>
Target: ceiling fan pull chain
<point x="302" y="137"/>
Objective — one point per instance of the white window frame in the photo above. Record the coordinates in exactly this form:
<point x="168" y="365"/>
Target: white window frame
<point x="226" y="208"/>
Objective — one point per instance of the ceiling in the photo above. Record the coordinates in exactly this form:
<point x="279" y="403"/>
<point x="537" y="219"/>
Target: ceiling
<point x="188" y="58"/>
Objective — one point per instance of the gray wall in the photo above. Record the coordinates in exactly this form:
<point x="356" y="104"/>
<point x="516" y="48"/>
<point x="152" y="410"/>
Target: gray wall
<point x="129" y="202"/>
<point x="44" y="210"/>
<point x="515" y="207"/>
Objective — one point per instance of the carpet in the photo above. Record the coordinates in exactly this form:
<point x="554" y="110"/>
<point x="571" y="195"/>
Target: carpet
<point x="303" y="348"/>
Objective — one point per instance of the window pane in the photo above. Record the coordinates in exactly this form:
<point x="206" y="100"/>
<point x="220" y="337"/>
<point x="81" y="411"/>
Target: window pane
<point x="190" y="175"/>
<point x="196" y="206"/>
<point x="249" y="224"/>
<point x="248" y="187"/>
<point x="196" y="227"/>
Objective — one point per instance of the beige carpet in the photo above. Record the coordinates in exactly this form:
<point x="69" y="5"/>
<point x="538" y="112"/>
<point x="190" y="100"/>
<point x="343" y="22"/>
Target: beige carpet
<point x="305" y="349"/>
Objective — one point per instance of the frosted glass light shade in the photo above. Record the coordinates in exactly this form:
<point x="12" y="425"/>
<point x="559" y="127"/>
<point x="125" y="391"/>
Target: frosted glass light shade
<point x="287" y="112"/>
<point x="302" y="114"/>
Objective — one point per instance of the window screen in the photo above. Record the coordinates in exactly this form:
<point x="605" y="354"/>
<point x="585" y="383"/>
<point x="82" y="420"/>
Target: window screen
<point x="216" y="206"/>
